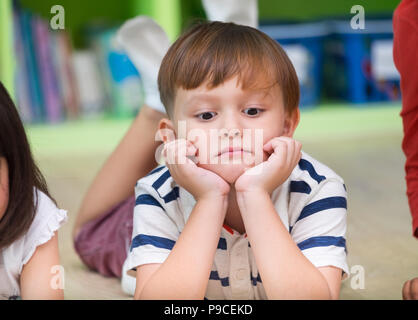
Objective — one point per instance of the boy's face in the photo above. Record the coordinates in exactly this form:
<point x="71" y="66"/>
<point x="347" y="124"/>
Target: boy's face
<point x="226" y="117"/>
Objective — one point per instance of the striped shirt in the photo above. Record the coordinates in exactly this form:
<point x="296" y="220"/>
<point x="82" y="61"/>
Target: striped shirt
<point x="311" y="203"/>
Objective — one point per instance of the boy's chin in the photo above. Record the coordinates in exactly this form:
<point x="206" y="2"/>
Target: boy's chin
<point x="229" y="172"/>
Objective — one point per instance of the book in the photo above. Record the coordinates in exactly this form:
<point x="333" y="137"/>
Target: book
<point x="46" y="71"/>
<point x="62" y="53"/>
<point x="91" y="93"/>
<point x="44" y="78"/>
<point x="21" y="81"/>
<point x="35" y="91"/>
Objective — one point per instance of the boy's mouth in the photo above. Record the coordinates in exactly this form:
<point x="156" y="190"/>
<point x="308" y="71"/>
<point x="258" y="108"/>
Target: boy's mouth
<point x="232" y="150"/>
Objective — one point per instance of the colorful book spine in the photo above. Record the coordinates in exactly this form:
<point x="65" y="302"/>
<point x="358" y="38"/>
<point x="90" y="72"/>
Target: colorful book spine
<point x="21" y="82"/>
<point x="35" y="90"/>
<point x="45" y="85"/>
<point x="46" y="72"/>
<point x="61" y="53"/>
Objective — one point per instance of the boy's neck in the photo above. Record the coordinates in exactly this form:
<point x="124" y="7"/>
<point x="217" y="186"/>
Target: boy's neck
<point x="233" y="217"/>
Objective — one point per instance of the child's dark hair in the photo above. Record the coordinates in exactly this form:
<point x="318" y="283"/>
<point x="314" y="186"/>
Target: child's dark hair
<point x="24" y="175"/>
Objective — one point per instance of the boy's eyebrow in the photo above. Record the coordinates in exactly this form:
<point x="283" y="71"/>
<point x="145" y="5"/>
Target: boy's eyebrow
<point x="201" y="97"/>
<point x="263" y="92"/>
<point x="197" y="97"/>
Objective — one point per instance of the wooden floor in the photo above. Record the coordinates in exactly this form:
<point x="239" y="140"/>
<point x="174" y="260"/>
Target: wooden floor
<point x="381" y="250"/>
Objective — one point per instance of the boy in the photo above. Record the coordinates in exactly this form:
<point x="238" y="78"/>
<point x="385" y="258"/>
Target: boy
<point x="270" y="223"/>
<point x="103" y="226"/>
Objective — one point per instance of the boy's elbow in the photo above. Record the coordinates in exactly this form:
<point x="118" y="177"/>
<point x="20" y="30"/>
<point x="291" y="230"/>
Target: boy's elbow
<point x="324" y="293"/>
<point x="139" y="294"/>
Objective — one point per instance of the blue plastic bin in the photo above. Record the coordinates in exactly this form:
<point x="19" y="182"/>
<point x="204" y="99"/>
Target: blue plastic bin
<point x="303" y="43"/>
<point x="365" y="61"/>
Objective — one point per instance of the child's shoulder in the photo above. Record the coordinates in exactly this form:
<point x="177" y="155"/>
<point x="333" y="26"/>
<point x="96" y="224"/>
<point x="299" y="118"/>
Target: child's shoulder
<point x="159" y="184"/>
<point x="311" y="177"/>
<point x="157" y="179"/>
<point x="47" y="220"/>
<point x="313" y="187"/>
<point x="312" y="171"/>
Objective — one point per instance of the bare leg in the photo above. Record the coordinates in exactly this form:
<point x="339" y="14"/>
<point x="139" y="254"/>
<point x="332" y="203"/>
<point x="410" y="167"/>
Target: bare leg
<point x="132" y="159"/>
<point x="146" y="43"/>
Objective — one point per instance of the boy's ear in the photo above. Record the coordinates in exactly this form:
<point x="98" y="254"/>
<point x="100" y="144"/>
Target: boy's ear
<point x="291" y="122"/>
<point x="166" y="130"/>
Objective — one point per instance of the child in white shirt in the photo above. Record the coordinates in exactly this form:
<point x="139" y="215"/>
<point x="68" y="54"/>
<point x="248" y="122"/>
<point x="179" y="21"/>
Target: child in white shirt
<point x="238" y="212"/>
<point x="29" y="217"/>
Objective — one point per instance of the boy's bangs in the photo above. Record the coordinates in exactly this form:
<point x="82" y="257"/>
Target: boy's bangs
<point x="216" y="52"/>
<point x="217" y="62"/>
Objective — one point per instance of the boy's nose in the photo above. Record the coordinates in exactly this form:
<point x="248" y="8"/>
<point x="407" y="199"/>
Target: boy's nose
<point x="231" y="133"/>
<point x="231" y="126"/>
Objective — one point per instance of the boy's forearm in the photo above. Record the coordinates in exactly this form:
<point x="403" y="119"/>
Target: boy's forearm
<point x="285" y="271"/>
<point x="185" y="273"/>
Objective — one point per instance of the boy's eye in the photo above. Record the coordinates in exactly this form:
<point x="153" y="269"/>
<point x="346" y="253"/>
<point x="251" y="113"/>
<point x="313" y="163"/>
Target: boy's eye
<point x="252" y="111"/>
<point x="206" y="115"/>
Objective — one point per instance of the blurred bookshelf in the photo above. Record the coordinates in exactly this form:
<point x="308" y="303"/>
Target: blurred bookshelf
<point x="78" y="73"/>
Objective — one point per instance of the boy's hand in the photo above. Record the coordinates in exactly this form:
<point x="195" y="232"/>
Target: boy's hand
<point x="284" y="154"/>
<point x="410" y="290"/>
<point x="201" y="183"/>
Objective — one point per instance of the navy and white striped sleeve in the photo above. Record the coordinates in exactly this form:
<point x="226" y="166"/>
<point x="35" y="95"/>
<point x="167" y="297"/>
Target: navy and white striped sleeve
<point x="320" y="229"/>
<point x="154" y="231"/>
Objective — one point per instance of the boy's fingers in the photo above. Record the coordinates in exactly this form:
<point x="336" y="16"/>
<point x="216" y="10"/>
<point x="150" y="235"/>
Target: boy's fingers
<point x="170" y="151"/>
<point x="181" y="152"/>
<point x="406" y="290"/>
<point x="294" y="148"/>
<point x="276" y="144"/>
<point x="177" y="151"/>
<point x="170" y="154"/>
<point x="191" y="149"/>
<point x="267" y="147"/>
<point x="186" y="150"/>
<point x="414" y="289"/>
<point x="287" y="152"/>
<point x="164" y="152"/>
<point x="280" y="148"/>
<point x="272" y="143"/>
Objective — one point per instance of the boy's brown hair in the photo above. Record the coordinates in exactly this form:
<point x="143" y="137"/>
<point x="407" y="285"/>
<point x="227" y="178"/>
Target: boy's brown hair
<point x="214" y="52"/>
